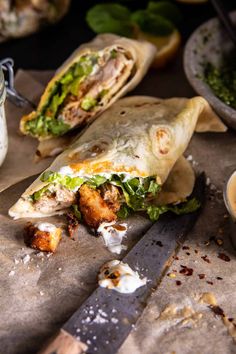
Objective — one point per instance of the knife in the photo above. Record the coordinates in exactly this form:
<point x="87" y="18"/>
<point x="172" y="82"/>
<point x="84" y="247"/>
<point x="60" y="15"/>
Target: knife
<point x="105" y="319"/>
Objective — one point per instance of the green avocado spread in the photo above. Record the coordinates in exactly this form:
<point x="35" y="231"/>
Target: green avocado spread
<point x="222" y="80"/>
<point x="46" y="121"/>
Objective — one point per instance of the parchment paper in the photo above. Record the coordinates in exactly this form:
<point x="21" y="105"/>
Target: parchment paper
<point x="19" y="161"/>
<point x="39" y="292"/>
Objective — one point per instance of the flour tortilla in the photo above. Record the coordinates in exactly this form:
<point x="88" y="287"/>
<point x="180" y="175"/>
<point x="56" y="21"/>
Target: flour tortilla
<point x="138" y="136"/>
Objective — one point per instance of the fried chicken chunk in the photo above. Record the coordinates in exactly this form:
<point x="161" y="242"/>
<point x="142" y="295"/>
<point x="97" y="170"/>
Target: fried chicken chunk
<point x="111" y="195"/>
<point x="93" y="208"/>
<point x="42" y="240"/>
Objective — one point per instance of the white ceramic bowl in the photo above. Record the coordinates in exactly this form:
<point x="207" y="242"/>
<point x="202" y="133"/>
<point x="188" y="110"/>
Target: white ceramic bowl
<point x="207" y="44"/>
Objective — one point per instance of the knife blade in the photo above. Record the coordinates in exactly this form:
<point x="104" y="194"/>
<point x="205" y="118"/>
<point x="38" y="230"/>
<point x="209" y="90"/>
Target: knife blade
<point x="106" y="318"/>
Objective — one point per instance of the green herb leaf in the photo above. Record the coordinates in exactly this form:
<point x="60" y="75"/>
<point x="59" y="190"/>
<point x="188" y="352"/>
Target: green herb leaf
<point x="110" y="18"/>
<point x="165" y="9"/>
<point x="152" y="23"/>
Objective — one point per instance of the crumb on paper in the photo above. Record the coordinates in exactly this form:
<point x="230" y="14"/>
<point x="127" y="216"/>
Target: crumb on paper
<point x="26" y="258"/>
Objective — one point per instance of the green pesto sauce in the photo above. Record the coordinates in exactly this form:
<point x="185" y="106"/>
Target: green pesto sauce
<point x="222" y="80"/>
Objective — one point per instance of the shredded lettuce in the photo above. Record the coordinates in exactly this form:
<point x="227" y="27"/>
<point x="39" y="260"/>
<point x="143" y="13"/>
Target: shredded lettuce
<point x="46" y="121"/>
<point x="76" y="212"/>
<point x="38" y="194"/>
<point x="137" y="193"/>
<point x="189" y="206"/>
<point x="69" y="182"/>
<point x="88" y="103"/>
<point x="136" y="190"/>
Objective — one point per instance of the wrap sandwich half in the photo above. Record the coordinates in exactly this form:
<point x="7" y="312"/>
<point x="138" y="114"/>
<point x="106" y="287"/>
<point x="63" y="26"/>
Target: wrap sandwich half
<point x="92" y="79"/>
<point x="130" y="159"/>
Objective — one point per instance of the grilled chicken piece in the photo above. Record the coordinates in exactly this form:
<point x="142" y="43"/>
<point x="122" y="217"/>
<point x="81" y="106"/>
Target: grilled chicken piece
<point x="42" y="240"/>
<point x="61" y="198"/>
<point x="93" y="208"/>
<point x="112" y="196"/>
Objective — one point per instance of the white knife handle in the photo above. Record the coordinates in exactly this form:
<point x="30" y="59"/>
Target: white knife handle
<point x="64" y="343"/>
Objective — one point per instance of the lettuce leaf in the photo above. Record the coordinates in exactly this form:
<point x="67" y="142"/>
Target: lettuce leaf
<point x="69" y="182"/>
<point x="189" y="206"/>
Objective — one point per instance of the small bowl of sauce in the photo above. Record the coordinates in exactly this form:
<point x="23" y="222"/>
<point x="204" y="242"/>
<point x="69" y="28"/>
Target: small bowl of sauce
<point x="230" y="203"/>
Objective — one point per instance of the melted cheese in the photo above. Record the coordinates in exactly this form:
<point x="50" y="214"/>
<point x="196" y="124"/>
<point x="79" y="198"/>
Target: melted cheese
<point x="113" y="235"/>
<point x="119" y="276"/>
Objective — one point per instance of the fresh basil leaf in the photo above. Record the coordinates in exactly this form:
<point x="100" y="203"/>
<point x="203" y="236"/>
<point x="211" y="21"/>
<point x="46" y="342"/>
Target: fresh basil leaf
<point x="165" y="9"/>
<point x="110" y="18"/>
<point x="152" y="23"/>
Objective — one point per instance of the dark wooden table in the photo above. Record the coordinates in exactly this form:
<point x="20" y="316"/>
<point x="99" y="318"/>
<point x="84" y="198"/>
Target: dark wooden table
<point x="50" y="47"/>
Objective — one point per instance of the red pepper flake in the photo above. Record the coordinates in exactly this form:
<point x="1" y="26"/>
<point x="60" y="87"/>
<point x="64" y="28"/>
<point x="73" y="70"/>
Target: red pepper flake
<point x="224" y="257"/>
<point x="206" y="259"/>
<point x="230" y="319"/>
<point x="196" y="251"/>
<point x="186" y="271"/>
<point x="219" y="278"/>
<point x="209" y="282"/>
<point x="178" y="282"/>
<point x="201" y="276"/>
<point x="217" y="310"/>
<point x="159" y="243"/>
<point x="185" y="248"/>
<point x="176" y="258"/>
<point x="188" y="254"/>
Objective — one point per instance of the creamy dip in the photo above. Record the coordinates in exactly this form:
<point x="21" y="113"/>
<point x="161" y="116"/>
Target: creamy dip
<point x="119" y="276"/>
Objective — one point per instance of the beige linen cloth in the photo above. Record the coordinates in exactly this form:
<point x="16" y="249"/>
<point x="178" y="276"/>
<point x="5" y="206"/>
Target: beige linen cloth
<point x="19" y="161"/>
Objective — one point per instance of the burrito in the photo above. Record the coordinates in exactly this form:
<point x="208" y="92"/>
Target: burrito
<point x="92" y="79"/>
<point x="128" y="160"/>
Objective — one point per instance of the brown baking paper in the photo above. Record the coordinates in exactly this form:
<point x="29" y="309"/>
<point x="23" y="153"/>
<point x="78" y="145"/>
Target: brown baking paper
<point x="39" y="291"/>
<point x="19" y="162"/>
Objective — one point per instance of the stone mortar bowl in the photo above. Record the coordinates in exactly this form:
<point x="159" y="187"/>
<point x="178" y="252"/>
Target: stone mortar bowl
<point x="208" y="43"/>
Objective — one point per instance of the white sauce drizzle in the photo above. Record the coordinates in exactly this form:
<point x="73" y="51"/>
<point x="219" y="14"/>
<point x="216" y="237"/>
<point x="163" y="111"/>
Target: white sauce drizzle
<point x="125" y="280"/>
<point x="113" y="236"/>
<point x="46" y="227"/>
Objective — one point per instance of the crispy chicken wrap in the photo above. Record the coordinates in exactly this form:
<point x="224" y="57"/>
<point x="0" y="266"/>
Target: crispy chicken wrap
<point x="130" y="159"/>
<point x="92" y="79"/>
